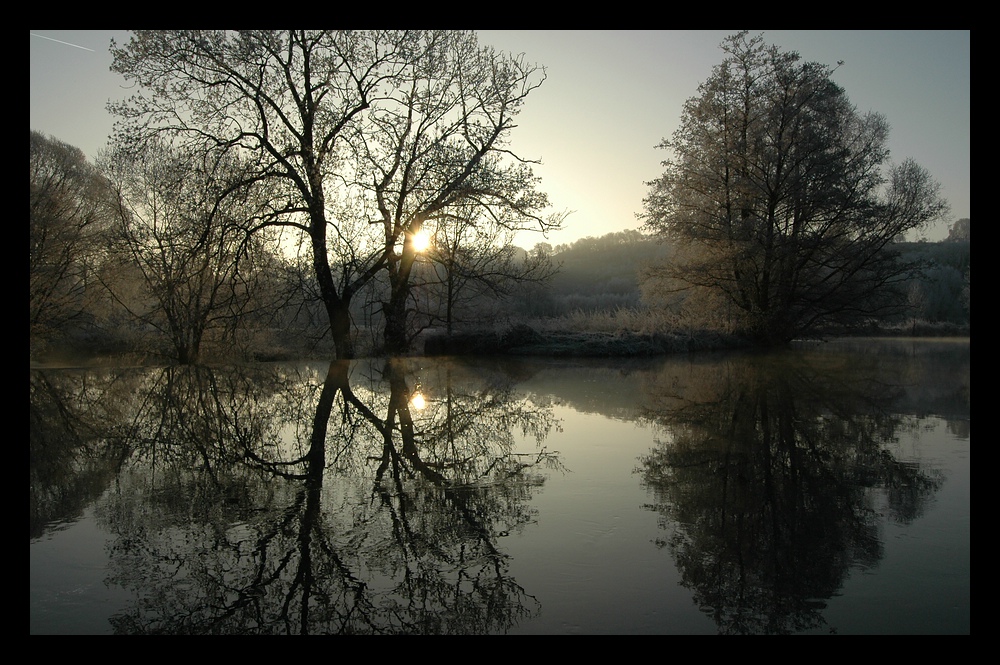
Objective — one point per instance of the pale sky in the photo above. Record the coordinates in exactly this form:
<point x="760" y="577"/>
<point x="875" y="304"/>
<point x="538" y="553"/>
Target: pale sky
<point x="609" y="98"/>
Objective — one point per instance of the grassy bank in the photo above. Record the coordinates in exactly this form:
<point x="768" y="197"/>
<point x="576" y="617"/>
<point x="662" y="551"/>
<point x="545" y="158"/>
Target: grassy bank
<point x="628" y="333"/>
<point x="623" y="332"/>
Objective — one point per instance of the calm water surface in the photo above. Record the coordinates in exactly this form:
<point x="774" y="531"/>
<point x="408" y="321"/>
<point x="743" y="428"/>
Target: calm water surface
<point x="822" y="489"/>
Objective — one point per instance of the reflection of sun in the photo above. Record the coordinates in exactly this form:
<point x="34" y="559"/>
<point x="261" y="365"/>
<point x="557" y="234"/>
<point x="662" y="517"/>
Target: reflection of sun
<point x="417" y="401"/>
<point x="421" y="241"/>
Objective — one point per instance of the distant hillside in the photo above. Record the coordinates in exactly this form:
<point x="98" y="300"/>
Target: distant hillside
<point x="598" y="273"/>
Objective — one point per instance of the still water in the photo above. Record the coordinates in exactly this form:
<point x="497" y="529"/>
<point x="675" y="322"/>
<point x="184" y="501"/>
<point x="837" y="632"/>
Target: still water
<point x="821" y="489"/>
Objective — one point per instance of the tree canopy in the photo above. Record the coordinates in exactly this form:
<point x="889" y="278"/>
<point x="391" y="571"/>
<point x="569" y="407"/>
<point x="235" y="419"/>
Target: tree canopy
<point x="67" y="202"/>
<point x="781" y="200"/>
<point x="358" y="137"/>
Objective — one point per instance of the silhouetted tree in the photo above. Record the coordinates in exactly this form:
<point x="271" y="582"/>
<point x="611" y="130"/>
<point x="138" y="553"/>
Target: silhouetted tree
<point x="67" y="213"/>
<point x="181" y="226"/>
<point x="436" y="153"/>
<point x="473" y="267"/>
<point x="778" y="201"/>
<point x="343" y="127"/>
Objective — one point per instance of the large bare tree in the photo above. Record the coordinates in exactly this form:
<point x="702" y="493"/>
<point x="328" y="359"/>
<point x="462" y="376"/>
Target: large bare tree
<point x="317" y="113"/>
<point x="780" y="200"/>
<point x="438" y="155"/>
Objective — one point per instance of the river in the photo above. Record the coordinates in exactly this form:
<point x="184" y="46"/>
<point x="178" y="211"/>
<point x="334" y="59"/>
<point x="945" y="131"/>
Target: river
<point x="819" y="489"/>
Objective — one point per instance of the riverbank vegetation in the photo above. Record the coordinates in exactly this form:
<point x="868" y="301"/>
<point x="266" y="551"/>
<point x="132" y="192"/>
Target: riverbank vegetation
<point x="379" y="217"/>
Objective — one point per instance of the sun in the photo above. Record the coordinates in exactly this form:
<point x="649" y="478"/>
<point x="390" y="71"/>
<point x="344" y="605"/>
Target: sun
<point x="421" y="240"/>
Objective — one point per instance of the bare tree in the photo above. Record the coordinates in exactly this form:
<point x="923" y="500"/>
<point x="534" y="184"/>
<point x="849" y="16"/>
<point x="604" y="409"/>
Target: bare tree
<point x="181" y="228"/>
<point x="780" y="200"/>
<point x="66" y="216"/>
<point x="437" y="154"/>
<point x="416" y="120"/>
<point x="477" y="264"/>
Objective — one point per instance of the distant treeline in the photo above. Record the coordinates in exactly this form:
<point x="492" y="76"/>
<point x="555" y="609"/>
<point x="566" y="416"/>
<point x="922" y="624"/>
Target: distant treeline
<point x="596" y="274"/>
<point x="940" y="292"/>
<point x="605" y="273"/>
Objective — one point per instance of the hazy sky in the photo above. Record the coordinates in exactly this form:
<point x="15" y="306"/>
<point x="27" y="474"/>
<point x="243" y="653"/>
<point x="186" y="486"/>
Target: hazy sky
<point x="609" y="98"/>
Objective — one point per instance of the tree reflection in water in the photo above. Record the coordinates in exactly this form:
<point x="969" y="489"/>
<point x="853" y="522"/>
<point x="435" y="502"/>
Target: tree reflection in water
<point x="768" y="477"/>
<point x="278" y="500"/>
<point x="72" y="455"/>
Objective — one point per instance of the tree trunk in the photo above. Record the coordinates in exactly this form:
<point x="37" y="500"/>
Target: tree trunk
<point x="451" y="298"/>
<point x="338" y="306"/>
<point x="340" y="328"/>
<point x="395" y="337"/>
